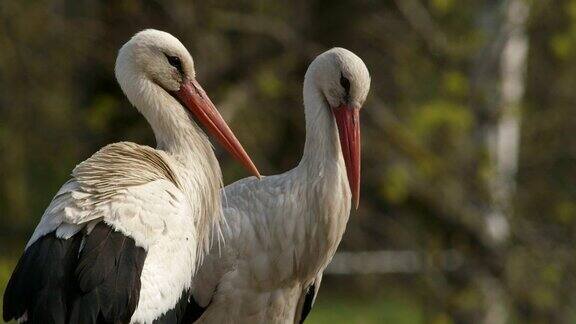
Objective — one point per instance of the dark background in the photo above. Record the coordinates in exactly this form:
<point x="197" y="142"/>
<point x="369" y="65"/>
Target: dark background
<point x="469" y="146"/>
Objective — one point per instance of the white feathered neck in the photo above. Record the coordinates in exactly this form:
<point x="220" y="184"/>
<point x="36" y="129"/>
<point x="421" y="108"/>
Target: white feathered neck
<point x="322" y="146"/>
<point x="178" y="135"/>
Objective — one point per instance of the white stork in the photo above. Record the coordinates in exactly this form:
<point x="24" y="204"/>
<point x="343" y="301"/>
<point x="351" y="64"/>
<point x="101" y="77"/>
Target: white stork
<point x="119" y="241"/>
<point x="283" y="230"/>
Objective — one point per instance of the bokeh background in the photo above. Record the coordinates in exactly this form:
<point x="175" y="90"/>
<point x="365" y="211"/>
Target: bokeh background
<point x="468" y="210"/>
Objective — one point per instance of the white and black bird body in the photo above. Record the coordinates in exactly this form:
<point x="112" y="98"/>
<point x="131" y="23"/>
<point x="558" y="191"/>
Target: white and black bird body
<point x="281" y="232"/>
<point x="121" y="239"/>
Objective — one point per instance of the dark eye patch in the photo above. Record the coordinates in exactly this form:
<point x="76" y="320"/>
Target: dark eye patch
<point x="345" y="83"/>
<point x="175" y="62"/>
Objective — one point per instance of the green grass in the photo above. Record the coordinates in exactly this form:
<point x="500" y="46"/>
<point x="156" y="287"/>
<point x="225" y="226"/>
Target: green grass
<point x="355" y="309"/>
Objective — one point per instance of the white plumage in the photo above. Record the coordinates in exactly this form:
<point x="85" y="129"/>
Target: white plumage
<point x="281" y="232"/>
<point x="165" y="201"/>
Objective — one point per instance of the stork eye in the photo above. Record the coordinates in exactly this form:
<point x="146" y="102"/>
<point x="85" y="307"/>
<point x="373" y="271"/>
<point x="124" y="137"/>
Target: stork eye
<point x="345" y="83"/>
<point x="175" y="62"/>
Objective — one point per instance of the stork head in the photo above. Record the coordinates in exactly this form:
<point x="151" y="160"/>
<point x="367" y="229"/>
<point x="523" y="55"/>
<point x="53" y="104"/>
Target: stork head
<point x="343" y="80"/>
<point x="157" y="74"/>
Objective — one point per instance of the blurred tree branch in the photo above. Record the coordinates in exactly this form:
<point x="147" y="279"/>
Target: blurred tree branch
<point x="420" y="19"/>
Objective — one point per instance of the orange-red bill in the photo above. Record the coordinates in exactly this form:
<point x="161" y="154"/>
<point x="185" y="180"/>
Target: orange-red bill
<point x="195" y="99"/>
<point x="348" y="122"/>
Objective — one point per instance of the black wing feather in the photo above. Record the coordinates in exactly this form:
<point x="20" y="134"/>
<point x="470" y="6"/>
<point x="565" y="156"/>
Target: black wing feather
<point x="308" y="301"/>
<point x="41" y="283"/>
<point x="95" y="252"/>
<point x="108" y="277"/>
<point x="193" y="311"/>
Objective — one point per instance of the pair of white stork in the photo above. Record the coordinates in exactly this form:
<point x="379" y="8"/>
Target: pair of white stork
<point x="130" y="237"/>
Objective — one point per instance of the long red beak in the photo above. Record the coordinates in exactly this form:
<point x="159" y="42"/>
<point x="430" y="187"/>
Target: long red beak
<point x="195" y="99"/>
<point x="348" y="122"/>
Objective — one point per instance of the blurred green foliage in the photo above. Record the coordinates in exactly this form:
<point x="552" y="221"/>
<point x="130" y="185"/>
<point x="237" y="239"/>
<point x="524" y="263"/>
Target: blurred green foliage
<point x="434" y="101"/>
